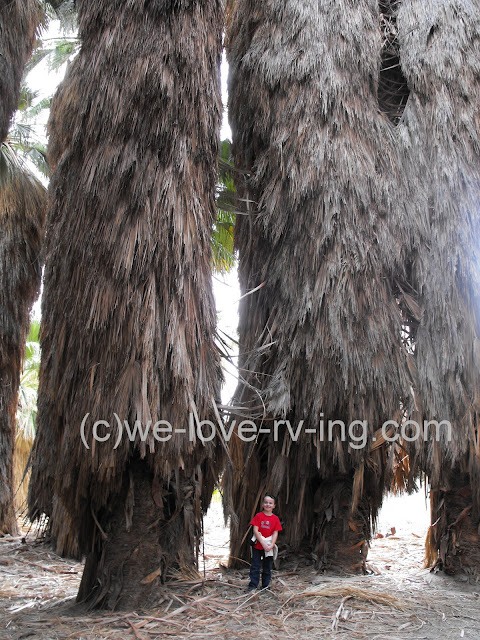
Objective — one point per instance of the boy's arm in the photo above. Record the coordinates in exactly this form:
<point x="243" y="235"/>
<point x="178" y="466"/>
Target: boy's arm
<point x="257" y="534"/>
<point x="259" y="537"/>
<point x="273" y="542"/>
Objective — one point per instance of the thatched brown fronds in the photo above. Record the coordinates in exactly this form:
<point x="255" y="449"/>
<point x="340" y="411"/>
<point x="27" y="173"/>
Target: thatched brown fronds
<point x="22" y="214"/>
<point x="21" y="221"/>
<point x="440" y="141"/>
<point x="19" y="20"/>
<point x="128" y="313"/>
<point x="321" y="339"/>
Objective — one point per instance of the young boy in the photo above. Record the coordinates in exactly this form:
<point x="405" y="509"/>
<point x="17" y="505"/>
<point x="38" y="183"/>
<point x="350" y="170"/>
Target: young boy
<point x="266" y="526"/>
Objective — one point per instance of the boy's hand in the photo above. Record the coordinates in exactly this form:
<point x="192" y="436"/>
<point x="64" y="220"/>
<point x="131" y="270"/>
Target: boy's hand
<point x="264" y="544"/>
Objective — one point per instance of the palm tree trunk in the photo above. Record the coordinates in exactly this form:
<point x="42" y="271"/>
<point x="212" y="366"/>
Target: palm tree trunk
<point x="128" y="310"/>
<point x="21" y="219"/>
<point x="453" y="540"/>
<point x="440" y="143"/>
<point x="22" y="215"/>
<point x="320" y="331"/>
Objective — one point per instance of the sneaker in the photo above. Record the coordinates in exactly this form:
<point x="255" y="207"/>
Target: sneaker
<point x="251" y="588"/>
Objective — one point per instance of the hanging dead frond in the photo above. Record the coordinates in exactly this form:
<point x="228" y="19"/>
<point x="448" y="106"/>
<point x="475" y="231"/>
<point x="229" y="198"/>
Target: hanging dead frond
<point x="128" y="314"/>
<point x="22" y="213"/>
<point x="439" y="138"/>
<point x="21" y="219"/>
<point x="321" y="340"/>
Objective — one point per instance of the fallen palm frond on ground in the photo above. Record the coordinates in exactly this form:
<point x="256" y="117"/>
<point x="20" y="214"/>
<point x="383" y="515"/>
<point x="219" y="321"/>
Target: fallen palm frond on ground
<point x="351" y="592"/>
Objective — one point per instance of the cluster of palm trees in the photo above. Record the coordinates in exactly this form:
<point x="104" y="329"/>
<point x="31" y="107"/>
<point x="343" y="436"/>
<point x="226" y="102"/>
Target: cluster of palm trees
<point x="356" y="141"/>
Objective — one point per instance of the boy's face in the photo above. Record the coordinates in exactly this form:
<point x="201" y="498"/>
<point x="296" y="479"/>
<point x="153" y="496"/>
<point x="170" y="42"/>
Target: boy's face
<point x="268" y="504"/>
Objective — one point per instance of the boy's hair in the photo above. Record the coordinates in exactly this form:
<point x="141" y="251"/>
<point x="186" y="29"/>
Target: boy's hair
<point x="270" y="495"/>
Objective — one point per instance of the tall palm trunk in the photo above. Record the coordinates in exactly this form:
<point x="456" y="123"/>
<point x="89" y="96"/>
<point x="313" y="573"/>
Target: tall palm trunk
<point x="453" y="540"/>
<point x="22" y="214"/>
<point x="21" y="220"/>
<point x="320" y="334"/>
<point x="440" y="135"/>
<point x="128" y="311"/>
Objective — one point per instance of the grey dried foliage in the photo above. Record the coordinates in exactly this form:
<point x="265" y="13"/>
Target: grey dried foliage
<point x="322" y="337"/>
<point x="128" y="311"/>
<point x="440" y="146"/>
<point x="440" y="143"/>
<point x="362" y="194"/>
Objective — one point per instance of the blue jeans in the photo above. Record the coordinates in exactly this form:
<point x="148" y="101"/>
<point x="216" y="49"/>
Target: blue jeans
<point x="257" y="556"/>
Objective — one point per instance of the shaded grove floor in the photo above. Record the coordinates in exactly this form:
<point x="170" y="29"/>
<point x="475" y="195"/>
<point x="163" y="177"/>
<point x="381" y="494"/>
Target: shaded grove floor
<point x="398" y="600"/>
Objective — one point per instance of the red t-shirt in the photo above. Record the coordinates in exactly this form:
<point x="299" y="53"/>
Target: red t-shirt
<point x="266" y="526"/>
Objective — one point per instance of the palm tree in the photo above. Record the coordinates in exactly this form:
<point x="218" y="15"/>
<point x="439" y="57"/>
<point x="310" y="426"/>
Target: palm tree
<point x="21" y="219"/>
<point x="440" y="141"/>
<point x="127" y="312"/>
<point x="223" y="258"/>
<point x="22" y="212"/>
<point x="320" y="252"/>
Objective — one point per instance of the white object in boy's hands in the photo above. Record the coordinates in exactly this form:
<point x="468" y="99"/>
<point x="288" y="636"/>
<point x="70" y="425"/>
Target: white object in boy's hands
<point x="266" y="542"/>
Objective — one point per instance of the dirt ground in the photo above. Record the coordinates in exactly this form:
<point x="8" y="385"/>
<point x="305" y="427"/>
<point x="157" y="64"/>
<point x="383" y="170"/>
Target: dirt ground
<point x="398" y="600"/>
